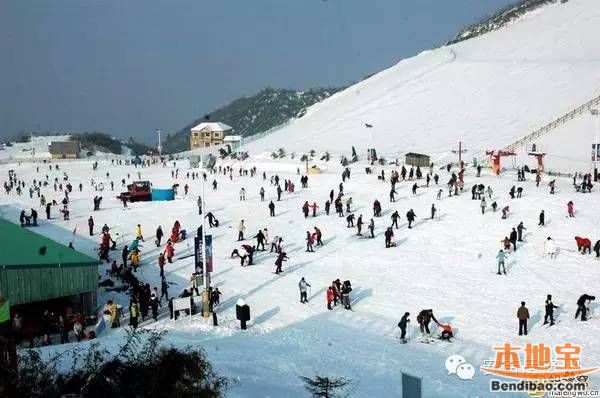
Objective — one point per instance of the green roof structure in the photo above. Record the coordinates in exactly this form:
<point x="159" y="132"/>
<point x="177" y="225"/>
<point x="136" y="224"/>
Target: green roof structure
<point x="23" y="248"/>
<point x="35" y="268"/>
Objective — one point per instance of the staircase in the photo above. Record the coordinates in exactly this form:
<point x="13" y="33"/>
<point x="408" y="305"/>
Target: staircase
<point x="553" y="124"/>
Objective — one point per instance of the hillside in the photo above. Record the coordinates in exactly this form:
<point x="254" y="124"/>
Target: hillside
<point x="255" y="114"/>
<point x="487" y="92"/>
<point x="499" y="19"/>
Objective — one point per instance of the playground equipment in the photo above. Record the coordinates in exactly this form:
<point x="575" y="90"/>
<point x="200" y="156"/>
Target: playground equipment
<point x="539" y="154"/>
<point x="495" y="158"/>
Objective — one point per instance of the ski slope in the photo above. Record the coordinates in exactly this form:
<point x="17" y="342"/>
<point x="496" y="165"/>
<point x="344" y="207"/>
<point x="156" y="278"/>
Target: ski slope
<point x="487" y="92"/>
<point x="447" y="264"/>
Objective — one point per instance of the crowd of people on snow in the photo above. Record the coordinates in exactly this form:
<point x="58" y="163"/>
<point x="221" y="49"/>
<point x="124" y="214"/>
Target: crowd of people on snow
<point x="145" y="301"/>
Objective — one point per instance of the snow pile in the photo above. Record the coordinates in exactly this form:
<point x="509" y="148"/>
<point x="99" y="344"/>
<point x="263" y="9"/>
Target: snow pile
<point x="487" y="92"/>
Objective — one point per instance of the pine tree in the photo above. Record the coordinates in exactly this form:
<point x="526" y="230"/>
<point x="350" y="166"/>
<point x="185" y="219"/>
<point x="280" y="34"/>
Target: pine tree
<point x="325" y="387"/>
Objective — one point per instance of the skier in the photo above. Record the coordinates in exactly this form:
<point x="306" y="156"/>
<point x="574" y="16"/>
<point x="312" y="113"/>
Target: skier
<point x="169" y="251"/>
<point x="348" y="204"/>
<point x="376" y="208"/>
<point x="350" y="220"/>
<point x="159" y="236"/>
<point x="501" y="256"/>
<point x="395" y="217"/>
<point x="241" y="230"/>
<point x="212" y="220"/>
<point x="410" y="217"/>
<point x="327" y="206"/>
<point x="359" y="224"/>
<point x="318" y="235"/>
<point x="542" y="219"/>
<point x="345" y="292"/>
<point x="372" y="228"/>
<point x="512" y="192"/>
<point x="550" y="248"/>
<point x="91" y="225"/>
<point x="199" y="204"/>
<point x="272" y="209"/>
<point x="513" y="239"/>
<point x="260" y="240"/>
<point x="597" y="249"/>
<point x="414" y="189"/>
<point x="552" y="185"/>
<point x="314" y="208"/>
<point x="309" y="242"/>
<point x="489" y="192"/>
<point x="483" y="205"/>
<point x="138" y="233"/>
<point x="303" y="285"/>
<point x="279" y="262"/>
<point x="582" y="306"/>
<point x="570" y="209"/>
<point x="424" y="317"/>
<point x="520" y="229"/>
<point x="519" y="192"/>
<point x="389" y="235"/>
<point x="262" y="194"/>
<point x="583" y="245"/>
<point x="305" y="207"/>
<point x="330" y="297"/>
<point x="523" y="316"/>
<point x="402" y="325"/>
<point x="549" y="310"/>
<point x="161" y="264"/>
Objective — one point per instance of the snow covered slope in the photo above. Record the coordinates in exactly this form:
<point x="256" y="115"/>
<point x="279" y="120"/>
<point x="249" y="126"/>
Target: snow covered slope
<point x="488" y="91"/>
<point x="446" y="263"/>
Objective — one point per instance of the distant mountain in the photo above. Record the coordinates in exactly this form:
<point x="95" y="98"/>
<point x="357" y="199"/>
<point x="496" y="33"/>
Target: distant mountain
<point x="252" y="115"/>
<point x="499" y="19"/>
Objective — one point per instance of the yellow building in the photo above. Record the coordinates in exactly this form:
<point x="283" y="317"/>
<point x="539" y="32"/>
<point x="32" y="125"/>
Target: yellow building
<point x="64" y="149"/>
<point x="208" y="134"/>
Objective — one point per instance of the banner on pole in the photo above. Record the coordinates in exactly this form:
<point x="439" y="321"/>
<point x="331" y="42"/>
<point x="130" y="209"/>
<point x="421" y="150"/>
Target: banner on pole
<point x="198" y="253"/>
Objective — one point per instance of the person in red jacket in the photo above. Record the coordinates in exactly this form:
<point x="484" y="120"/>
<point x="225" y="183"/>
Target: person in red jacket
<point x="583" y="244"/>
<point x="570" y="209"/>
<point x="91" y="225"/>
<point x="169" y="251"/>
<point x="161" y="264"/>
<point x="330" y="297"/>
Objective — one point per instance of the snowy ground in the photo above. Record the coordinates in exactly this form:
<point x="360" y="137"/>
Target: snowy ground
<point x="447" y="264"/>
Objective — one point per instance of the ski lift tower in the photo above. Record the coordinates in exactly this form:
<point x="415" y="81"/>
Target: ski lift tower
<point x="495" y="157"/>
<point x="536" y="151"/>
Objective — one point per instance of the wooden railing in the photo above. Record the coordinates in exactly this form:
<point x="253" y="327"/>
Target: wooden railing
<point x="554" y="124"/>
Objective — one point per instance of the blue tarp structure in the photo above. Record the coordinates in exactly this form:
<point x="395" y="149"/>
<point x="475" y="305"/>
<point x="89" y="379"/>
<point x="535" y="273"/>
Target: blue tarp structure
<point x="163" y="194"/>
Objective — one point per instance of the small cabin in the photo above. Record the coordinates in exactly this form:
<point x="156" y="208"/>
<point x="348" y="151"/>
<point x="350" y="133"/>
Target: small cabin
<point x="64" y="149"/>
<point x="417" y="159"/>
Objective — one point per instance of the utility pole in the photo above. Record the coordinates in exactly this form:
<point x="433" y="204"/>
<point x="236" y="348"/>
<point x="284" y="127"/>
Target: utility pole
<point x="460" y="152"/>
<point x="206" y="295"/>
<point x="159" y="145"/>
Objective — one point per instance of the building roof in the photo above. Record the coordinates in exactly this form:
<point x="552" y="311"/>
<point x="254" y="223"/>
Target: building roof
<point x="22" y="249"/>
<point x="212" y="126"/>
<point x="416" y="155"/>
<point x="60" y="147"/>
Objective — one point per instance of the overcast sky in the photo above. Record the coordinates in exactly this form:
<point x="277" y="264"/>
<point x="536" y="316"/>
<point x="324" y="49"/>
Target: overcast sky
<point x="127" y="67"/>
